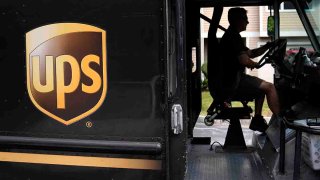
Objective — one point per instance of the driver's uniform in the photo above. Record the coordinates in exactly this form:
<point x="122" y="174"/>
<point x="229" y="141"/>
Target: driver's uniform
<point x="234" y="82"/>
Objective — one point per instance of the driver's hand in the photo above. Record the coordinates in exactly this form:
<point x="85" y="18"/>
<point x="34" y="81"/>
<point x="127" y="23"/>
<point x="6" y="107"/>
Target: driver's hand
<point x="254" y="65"/>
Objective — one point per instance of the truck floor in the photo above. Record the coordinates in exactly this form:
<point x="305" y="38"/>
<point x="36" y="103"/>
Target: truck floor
<point x="203" y="164"/>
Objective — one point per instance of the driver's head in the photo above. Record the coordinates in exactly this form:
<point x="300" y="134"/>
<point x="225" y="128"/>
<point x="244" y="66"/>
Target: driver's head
<point x="238" y="18"/>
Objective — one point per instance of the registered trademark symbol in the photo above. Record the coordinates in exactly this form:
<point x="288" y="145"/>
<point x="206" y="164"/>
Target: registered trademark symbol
<point x="89" y="124"/>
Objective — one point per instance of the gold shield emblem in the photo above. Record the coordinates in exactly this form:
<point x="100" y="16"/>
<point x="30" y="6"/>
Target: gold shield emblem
<point x="66" y="70"/>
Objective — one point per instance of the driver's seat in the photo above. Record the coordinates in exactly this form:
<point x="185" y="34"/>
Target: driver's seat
<point x="220" y="108"/>
<point x="223" y="110"/>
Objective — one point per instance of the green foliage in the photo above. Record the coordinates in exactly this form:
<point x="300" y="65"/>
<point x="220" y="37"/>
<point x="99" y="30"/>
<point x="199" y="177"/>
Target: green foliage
<point x="206" y="101"/>
<point x="270" y="26"/>
<point x="204" y="70"/>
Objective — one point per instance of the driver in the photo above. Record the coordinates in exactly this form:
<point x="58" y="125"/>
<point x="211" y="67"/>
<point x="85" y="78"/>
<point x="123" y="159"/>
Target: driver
<point x="235" y="58"/>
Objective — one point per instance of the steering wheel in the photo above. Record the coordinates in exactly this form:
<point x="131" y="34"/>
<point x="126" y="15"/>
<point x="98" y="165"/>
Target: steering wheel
<point x="277" y="51"/>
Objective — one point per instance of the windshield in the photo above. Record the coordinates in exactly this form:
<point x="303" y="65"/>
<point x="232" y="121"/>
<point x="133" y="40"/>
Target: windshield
<point x="313" y="12"/>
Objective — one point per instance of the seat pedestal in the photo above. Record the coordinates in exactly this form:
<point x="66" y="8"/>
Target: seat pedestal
<point x="234" y="138"/>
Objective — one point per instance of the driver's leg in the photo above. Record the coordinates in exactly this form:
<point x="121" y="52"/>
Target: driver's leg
<point x="258" y="104"/>
<point x="272" y="96"/>
<point x="249" y="87"/>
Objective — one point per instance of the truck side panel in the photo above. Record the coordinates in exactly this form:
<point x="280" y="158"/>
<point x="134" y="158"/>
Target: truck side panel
<point x="128" y="128"/>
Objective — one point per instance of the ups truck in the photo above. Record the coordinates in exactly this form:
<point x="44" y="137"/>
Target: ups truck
<point x="112" y="90"/>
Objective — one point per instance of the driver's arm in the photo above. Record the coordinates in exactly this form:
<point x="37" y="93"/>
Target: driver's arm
<point x="246" y="61"/>
<point x="259" y="51"/>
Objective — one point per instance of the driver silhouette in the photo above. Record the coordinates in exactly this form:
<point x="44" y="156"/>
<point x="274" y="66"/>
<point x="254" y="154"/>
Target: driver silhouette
<point x="234" y="59"/>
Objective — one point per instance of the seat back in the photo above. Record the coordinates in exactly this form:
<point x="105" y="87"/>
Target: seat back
<point x="214" y="55"/>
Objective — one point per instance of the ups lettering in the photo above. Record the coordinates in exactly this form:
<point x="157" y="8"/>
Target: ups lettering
<point x="61" y="87"/>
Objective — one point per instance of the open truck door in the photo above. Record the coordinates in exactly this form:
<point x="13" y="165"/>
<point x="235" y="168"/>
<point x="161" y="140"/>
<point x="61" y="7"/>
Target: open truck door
<point x="286" y="150"/>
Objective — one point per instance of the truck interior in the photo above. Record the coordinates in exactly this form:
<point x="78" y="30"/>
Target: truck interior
<point x="222" y="146"/>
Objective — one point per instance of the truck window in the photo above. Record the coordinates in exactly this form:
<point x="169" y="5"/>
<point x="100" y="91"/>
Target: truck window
<point x="314" y="16"/>
<point x="292" y="29"/>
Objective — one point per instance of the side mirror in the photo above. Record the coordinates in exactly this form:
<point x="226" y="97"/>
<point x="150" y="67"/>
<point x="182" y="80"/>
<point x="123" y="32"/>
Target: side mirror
<point x="271" y="26"/>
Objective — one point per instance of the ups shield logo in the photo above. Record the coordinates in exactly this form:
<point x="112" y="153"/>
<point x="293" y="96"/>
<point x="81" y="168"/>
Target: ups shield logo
<point x="66" y="70"/>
